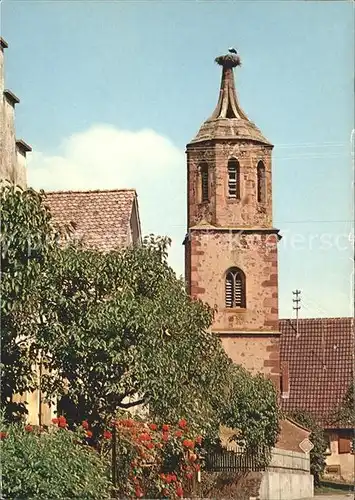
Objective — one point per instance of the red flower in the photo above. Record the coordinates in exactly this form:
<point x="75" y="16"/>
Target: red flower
<point x="145" y="437"/>
<point x="173" y="477"/>
<point x="3" y="435"/>
<point x="197" y="467"/>
<point x="188" y="443"/>
<point x="150" y="445"/>
<point x="153" y="427"/>
<point x="179" y="491"/>
<point x="107" y="435"/>
<point x="89" y="434"/>
<point x="189" y="475"/>
<point x="165" y="436"/>
<point x="178" y="434"/>
<point x="28" y="428"/>
<point x="85" y="424"/>
<point x="139" y="492"/>
<point x="182" y="423"/>
<point x="62" y="422"/>
<point x="165" y="428"/>
<point x="55" y="421"/>
<point x="199" y="439"/>
<point x="162" y="476"/>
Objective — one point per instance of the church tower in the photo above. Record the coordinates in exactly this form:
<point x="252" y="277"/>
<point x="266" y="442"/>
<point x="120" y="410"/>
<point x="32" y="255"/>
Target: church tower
<point x="231" y="245"/>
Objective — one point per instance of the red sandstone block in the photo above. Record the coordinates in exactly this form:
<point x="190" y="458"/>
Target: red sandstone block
<point x="272" y="363"/>
<point x="274" y="347"/>
<point x="197" y="252"/>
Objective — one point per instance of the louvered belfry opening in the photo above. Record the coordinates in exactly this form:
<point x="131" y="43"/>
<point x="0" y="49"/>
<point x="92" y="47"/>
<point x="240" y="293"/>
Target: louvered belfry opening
<point x="235" y="288"/>
<point x="261" y="182"/>
<point x="204" y="182"/>
<point x="233" y="179"/>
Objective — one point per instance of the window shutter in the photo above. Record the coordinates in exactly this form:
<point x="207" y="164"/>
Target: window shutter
<point x="233" y="179"/>
<point x="204" y="182"/>
<point x="229" y="290"/>
<point x="344" y="444"/>
<point x="238" y="291"/>
<point x="235" y="288"/>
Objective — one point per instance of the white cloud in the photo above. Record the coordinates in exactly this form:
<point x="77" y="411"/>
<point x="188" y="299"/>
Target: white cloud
<point x="104" y="157"/>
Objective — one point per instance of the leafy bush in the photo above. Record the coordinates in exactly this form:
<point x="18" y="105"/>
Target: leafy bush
<point x="38" y="464"/>
<point x="154" y="461"/>
<point x="317" y="455"/>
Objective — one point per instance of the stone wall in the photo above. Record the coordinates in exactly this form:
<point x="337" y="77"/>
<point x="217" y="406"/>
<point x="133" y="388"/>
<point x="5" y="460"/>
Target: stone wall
<point x="287" y="477"/>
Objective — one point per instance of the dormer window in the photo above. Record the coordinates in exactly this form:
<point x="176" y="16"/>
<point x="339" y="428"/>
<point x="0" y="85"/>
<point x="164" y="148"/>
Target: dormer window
<point x="233" y="179"/>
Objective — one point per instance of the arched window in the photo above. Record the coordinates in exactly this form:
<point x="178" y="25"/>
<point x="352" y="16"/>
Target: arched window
<point x="204" y="182"/>
<point x="233" y="179"/>
<point x="261" y="184"/>
<point x="235" y="288"/>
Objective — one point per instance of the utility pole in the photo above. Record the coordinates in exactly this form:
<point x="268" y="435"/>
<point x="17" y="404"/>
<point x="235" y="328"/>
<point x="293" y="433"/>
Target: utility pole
<point x="297" y="307"/>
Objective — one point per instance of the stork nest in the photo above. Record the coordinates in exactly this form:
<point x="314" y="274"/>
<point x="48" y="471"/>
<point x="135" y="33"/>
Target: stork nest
<point x="229" y="61"/>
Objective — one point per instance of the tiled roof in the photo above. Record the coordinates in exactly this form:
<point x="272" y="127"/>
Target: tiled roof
<point x="101" y="219"/>
<point x="320" y="360"/>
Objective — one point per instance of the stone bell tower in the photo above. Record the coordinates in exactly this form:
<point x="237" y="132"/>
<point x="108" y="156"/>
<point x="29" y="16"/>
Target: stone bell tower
<point x="231" y="245"/>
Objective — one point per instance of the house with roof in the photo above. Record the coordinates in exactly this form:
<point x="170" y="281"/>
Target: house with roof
<point x="102" y="219"/>
<point x="318" y="356"/>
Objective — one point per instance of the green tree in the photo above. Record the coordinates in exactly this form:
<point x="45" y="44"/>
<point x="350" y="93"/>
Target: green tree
<point x="317" y="454"/>
<point x="123" y="325"/>
<point x="252" y="409"/>
<point x="27" y="240"/>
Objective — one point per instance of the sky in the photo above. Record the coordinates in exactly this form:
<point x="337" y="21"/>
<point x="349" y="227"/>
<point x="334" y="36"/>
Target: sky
<point x="111" y="92"/>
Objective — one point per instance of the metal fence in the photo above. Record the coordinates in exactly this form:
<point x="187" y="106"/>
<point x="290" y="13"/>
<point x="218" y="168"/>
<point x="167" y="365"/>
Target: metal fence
<point x="231" y="461"/>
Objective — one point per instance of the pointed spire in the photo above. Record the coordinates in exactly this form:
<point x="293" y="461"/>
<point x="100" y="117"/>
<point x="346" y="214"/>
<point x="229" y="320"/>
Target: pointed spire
<point x="228" y="105"/>
<point x="228" y="121"/>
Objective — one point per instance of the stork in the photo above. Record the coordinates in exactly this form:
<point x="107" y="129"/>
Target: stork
<point x="232" y="50"/>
